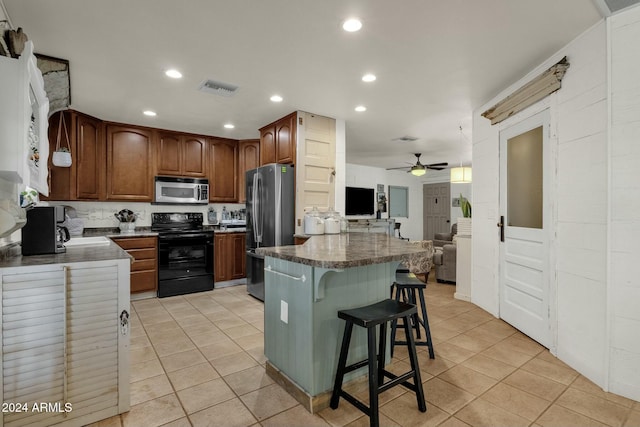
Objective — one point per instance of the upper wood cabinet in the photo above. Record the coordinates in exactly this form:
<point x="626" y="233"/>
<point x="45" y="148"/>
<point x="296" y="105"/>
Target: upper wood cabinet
<point x="223" y="170"/>
<point x="85" y="179"/>
<point x="248" y="158"/>
<point x="130" y="168"/>
<point x="278" y="141"/>
<point x="181" y="155"/>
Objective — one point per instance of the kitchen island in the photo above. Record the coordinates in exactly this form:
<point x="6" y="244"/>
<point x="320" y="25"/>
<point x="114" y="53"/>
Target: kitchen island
<point x="305" y="286"/>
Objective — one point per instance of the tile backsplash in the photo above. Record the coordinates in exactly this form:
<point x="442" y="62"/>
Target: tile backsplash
<point x="101" y="214"/>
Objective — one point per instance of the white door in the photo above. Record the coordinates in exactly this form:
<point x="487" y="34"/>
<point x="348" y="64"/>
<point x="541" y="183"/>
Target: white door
<point x="315" y="169"/>
<point x="526" y="220"/>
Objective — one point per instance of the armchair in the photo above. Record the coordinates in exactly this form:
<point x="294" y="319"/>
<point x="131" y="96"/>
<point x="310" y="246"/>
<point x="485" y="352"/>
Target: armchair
<point x="441" y="239"/>
<point x="419" y="264"/>
<point x="445" y="261"/>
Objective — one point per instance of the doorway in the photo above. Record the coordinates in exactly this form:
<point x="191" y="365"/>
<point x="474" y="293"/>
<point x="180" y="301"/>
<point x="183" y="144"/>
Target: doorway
<point x="436" y="200"/>
<point x="525" y="222"/>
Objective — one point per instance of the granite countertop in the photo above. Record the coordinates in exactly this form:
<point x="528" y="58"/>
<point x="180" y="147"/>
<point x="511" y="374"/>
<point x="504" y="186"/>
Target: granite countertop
<point x="81" y="253"/>
<point x="345" y="250"/>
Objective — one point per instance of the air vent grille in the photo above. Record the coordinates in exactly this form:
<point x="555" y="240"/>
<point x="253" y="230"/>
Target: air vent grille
<point x="218" y="88"/>
<point x="405" y="138"/>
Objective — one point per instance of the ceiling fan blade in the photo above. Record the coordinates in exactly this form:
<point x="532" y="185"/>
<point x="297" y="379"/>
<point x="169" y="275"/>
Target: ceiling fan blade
<point x="439" y="164"/>
<point x="436" y="168"/>
<point x="402" y="167"/>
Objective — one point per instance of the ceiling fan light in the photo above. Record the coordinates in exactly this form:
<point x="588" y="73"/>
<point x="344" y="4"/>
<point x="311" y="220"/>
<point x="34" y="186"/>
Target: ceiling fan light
<point x="460" y="175"/>
<point x="418" y="171"/>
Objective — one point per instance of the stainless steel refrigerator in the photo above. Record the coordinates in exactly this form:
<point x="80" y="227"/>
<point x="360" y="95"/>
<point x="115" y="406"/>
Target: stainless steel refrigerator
<point x="270" y="217"/>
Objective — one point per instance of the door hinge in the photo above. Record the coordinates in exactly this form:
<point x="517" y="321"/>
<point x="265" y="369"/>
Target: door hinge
<point x="300" y="121"/>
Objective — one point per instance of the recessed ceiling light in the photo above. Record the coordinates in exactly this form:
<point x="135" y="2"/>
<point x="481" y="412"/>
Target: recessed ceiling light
<point x="276" y="98"/>
<point x="229" y="126"/>
<point x="361" y="108"/>
<point x="369" y="78"/>
<point x="149" y="113"/>
<point x="351" y="25"/>
<point x="173" y="73"/>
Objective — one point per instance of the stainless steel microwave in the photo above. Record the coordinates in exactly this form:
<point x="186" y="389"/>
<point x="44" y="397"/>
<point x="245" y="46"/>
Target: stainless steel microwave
<point x="177" y="190"/>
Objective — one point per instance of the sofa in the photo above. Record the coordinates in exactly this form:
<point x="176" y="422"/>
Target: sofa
<point x="441" y="239"/>
<point x="445" y="261"/>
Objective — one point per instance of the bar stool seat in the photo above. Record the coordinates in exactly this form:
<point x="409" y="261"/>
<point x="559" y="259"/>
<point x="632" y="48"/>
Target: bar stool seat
<point x="410" y="289"/>
<point x="369" y="317"/>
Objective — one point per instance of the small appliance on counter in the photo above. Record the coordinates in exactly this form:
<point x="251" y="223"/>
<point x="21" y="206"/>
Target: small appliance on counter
<point x="43" y="232"/>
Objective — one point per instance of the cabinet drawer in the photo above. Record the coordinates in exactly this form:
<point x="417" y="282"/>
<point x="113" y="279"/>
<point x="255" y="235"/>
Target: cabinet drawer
<point x="142" y="281"/>
<point x="143" y="264"/>
<point x="136" y="242"/>
<point x="140" y="254"/>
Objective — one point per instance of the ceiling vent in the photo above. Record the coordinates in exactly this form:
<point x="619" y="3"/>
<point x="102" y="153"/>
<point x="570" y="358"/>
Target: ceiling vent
<point x="218" y="88"/>
<point x="405" y="138"/>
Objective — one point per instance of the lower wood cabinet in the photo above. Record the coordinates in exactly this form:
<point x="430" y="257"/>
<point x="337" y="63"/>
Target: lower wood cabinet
<point x="144" y="269"/>
<point x="229" y="256"/>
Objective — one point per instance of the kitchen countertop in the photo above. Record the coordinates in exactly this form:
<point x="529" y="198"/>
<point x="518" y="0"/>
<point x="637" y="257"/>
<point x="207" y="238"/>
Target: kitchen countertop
<point x="114" y="232"/>
<point x="345" y="250"/>
<point x="83" y="253"/>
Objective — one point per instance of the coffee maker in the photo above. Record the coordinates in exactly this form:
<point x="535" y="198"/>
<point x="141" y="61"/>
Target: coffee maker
<point x="43" y="234"/>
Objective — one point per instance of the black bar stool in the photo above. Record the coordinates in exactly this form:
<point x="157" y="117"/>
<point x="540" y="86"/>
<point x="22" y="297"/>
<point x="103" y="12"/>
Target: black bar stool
<point x="410" y="289"/>
<point x="368" y="317"/>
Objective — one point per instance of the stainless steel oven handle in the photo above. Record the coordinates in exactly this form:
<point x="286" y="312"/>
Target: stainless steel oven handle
<point x="302" y="278"/>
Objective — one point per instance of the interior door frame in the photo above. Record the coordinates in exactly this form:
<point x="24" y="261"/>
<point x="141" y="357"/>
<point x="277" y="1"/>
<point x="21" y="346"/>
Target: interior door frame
<point x="550" y="156"/>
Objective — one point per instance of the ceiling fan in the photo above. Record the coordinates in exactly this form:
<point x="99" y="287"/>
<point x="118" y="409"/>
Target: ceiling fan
<point x="419" y="169"/>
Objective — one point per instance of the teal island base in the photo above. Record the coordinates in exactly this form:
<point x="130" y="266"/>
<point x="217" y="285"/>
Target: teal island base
<point x="302" y="331"/>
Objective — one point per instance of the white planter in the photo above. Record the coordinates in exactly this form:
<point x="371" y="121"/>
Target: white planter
<point x="464" y="226"/>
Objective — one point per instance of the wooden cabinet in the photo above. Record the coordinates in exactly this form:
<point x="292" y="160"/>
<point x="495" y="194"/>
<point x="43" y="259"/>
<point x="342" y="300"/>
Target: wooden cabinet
<point x="229" y="256"/>
<point x="299" y="240"/>
<point x="181" y="155"/>
<point x="144" y="269"/>
<point x="278" y="141"/>
<point x="85" y="179"/>
<point x="66" y="330"/>
<point x="130" y="167"/>
<point x="248" y="158"/>
<point x="223" y="170"/>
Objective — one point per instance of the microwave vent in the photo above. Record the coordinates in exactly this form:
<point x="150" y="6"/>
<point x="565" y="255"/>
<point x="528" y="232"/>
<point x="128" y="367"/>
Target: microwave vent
<point x="218" y="88"/>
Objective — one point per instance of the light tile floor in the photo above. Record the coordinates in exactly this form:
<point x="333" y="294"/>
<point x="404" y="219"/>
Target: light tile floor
<point x="197" y="360"/>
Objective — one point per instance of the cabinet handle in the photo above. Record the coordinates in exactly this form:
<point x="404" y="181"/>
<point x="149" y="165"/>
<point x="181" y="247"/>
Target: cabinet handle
<point x="302" y="278"/>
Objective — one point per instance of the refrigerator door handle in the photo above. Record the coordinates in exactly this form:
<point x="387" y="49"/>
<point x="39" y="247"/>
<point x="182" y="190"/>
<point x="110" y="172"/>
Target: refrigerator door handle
<point x="254" y="208"/>
<point x="259" y="219"/>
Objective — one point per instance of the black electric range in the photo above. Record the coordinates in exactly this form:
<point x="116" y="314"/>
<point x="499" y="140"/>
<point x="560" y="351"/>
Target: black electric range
<point x="185" y="253"/>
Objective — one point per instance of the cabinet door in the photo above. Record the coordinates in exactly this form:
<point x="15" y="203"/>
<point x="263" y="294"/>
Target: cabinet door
<point x="286" y="140"/>
<point x="33" y="337"/>
<point x="169" y="154"/>
<point x="90" y="159"/>
<point x="130" y="163"/>
<point x="144" y="269"/>
<point x="237" y="252"/>
<point x="268" y="145"/>
<point x="221" y="255"/>
<point x="60" y="179"/>
<point x="194" y="157"/>
<point x="223" y="171"/>
<point x="248" y="158"/>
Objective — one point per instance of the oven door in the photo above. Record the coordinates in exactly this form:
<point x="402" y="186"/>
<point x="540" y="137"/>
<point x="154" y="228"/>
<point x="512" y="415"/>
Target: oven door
<point x="185" y="263"/>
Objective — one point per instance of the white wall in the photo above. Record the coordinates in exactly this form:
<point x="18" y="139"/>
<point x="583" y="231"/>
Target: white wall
<point x="370" y="177"/>
<point x="578" y="147"/>
<point x="624" y="235"/>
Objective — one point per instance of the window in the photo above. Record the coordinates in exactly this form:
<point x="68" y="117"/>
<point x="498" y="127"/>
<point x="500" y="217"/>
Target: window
<point x="398" y="202"/>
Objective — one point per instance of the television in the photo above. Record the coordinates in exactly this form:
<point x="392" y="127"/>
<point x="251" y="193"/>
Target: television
<point x="359" y="201"/>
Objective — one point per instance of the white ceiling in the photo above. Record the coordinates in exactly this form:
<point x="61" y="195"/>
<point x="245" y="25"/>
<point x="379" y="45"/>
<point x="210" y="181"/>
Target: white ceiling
<point x="435" y="61"/>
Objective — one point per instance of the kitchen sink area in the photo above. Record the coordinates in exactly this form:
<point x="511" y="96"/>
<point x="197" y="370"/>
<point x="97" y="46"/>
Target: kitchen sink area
<point x="87" y="241"/>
